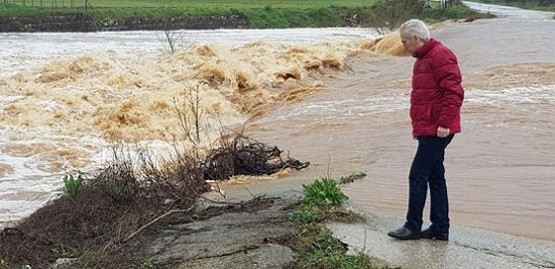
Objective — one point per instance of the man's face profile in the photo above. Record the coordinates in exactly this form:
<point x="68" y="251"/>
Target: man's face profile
<point x="411" y="43"/>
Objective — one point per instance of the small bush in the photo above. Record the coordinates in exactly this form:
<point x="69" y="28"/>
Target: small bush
<point x="117" y="179"/>
<point x="324" y="192"/>
<point x="65" y="254"/>
<point x="392" y="13"/>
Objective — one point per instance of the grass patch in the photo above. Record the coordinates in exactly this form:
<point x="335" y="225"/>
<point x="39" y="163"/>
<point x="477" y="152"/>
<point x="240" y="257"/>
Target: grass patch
<point x="18" y="10"/>
<point x="260" y="14"/>
<point x="323" y="193"/>
<point x="213" y="4"/>
<point x="126" y="8"/>
<point x="315" y="246"/>
<point x="436" y="14"/>
<point x="318" y="248"/>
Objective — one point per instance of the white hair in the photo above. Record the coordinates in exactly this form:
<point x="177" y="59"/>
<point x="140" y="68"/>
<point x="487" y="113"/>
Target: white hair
<point x="417" y="28"/>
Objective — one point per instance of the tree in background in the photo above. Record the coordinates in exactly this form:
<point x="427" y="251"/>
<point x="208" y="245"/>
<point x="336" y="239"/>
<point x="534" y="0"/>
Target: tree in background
<point x="392" y="13"/>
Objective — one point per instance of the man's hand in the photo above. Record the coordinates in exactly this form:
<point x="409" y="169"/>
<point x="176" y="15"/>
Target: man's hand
<point x="442" y="132"/>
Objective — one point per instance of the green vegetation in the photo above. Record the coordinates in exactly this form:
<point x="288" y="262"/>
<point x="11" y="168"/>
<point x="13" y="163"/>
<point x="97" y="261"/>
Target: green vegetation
<point x="322" y="250"/>
<point x="194" y="4"/>
<point x="147" y="265"/>
<point x="261" y="14"/>
<point x="315" y="246"/>
<point x="72" y="185"/>
<point x="392" y="13"/>
<point x="65" y="254"/>
<point x="157" y="8"/>
<point x="435" y="13"/>
<point x="17" y="10"/>
<point x="108" y="208"/>
<point x="324" y="193"/>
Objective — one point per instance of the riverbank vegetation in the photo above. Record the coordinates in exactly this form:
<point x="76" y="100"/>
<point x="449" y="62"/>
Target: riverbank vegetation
<point x="314" y="244"/>
<point x="108" y="219"/>
<point x="260" y="14"/>
<point x="102" y="211"/>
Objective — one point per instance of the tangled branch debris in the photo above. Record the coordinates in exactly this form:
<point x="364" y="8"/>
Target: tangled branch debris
<point x="241" y="155"/>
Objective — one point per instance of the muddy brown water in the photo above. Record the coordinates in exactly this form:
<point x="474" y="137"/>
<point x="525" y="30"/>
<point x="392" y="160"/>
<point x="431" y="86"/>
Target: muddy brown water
<point x="56" y="112"/>
<point x="500" y="169"/>
<point x="65" y="97"/>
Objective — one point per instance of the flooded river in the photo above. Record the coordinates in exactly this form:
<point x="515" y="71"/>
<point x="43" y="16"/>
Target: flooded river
<point x="500" y="169"/>
<point x="329" y="96"/>
<point x="65" y="96"/>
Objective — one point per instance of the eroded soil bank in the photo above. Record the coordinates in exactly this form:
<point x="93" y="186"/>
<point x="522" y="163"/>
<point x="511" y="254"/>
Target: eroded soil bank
<point x="253" y="235"/>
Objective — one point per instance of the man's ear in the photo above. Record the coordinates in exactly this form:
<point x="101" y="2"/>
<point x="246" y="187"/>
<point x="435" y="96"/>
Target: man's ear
<point x="416" y="39"/>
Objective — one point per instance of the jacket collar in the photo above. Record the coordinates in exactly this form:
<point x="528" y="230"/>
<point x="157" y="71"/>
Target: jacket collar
<point x="422" y="51"/>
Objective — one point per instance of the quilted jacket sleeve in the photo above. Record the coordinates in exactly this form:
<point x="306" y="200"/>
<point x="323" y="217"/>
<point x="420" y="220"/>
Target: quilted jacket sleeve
<point x="448" y="75"/>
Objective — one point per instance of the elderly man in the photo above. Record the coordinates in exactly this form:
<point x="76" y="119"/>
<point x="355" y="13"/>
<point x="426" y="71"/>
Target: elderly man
<point x="436" y="99"/>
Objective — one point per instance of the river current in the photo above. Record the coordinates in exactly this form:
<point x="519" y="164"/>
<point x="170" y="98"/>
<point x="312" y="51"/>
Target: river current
<point x="335" y="97"/>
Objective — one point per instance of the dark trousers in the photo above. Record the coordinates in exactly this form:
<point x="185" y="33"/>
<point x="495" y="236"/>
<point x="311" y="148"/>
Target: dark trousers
<point x="427" y="169"/>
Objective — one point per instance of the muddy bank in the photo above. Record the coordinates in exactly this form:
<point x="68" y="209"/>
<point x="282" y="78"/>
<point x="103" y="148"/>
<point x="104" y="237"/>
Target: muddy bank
<point x="80" y="22"/>
<point x="243" y="237"/>
<point x="248" y="234"/>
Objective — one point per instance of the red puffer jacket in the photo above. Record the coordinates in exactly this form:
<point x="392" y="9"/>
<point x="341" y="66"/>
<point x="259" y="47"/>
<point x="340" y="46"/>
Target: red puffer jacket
<point x="437" y="93"/>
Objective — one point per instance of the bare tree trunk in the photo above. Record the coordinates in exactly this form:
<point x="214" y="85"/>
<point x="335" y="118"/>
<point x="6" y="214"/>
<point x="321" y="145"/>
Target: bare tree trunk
<point x="169" y="34"/>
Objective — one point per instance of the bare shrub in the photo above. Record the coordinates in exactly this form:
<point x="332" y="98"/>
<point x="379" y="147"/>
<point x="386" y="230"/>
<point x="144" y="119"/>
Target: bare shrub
<point x="390" y="14"/>
<point x="171" y="36"/>
<point x="190" y="114"/>
<point x="178" y="180"/>
<point x="117" y="178"/>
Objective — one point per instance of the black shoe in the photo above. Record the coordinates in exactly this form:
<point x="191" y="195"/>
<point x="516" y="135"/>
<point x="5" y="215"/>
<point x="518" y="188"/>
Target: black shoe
<point x="404" y="233"/>
<point x="430" y="234"/>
